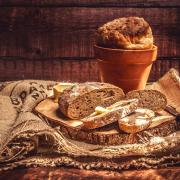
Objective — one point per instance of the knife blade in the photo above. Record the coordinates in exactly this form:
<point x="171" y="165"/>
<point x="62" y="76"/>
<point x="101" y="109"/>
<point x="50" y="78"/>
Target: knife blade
<point x="170" y="109"/>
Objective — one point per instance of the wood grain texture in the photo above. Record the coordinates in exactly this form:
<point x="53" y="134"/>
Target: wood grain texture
<point x="70" y="173"/>
<point x="91" y="3"/>
<point x="69" y="32"/>
<point x="49" y="69"/>
<point x="66" y="70"/>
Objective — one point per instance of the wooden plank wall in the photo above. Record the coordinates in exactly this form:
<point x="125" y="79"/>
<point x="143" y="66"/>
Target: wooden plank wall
<point x="53" y="39"/>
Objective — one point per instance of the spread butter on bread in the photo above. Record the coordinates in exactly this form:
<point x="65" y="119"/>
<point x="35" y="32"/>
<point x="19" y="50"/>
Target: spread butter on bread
<point x="108" y="115"/>
<point x="139" y="120"/>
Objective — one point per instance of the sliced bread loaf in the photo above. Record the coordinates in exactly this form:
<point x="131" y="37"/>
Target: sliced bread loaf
<point x="105" y="116"/>
<point x="81" y="100"/>
<point x="151" y="99"/>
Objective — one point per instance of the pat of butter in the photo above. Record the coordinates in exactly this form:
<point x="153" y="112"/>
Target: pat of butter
<point x="100" y="110"/>
<point x="59" y="88"/>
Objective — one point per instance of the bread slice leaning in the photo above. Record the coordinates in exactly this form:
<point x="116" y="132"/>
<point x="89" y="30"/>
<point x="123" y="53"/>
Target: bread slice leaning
<point x="111" y="114"/>
<point x="150" y="99"/>
<point x="81" y="100"/>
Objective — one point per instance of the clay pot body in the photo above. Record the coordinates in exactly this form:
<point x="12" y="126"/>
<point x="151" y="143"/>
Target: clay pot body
<point x="128" y="69"/>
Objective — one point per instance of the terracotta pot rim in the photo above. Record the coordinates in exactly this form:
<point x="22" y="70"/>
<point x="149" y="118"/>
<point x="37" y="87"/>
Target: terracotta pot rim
<point x="123" y="62"/>
<point x="126" y="50"/>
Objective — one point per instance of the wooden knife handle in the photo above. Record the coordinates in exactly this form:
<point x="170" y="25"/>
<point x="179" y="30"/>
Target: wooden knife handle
<point x="178" y="117"/>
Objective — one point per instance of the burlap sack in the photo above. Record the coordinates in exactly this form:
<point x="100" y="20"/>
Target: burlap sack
<point x="27" y="139"/>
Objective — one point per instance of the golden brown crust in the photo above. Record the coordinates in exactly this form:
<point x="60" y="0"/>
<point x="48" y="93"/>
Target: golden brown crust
<point x="125" y="33"/>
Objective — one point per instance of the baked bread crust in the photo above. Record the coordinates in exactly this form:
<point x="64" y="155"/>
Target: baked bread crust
<point x="125" y="33"/>
<point x="151" y="99"/>
<point x="81" y="100"/>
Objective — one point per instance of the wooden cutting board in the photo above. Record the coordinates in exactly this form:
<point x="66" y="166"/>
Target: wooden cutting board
<point x="108" y="135"/>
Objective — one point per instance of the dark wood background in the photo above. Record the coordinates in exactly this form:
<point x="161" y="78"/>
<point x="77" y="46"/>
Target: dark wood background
<point x="53" y="39"/>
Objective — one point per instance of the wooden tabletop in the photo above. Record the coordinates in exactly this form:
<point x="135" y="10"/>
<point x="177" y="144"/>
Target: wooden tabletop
<point x="72" y="173"/>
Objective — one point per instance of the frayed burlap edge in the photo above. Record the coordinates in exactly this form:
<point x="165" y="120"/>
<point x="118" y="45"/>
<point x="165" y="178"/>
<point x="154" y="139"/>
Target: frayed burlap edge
<point x="141" y="163"/>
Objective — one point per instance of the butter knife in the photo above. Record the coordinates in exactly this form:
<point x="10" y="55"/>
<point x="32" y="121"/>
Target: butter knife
<point x="170" y="109"/>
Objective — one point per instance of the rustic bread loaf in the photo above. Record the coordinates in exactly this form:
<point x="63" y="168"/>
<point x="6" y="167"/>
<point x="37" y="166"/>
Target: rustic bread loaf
<point x="125" y="33"/>
<point x="111" y="114"/>
<point x="81" y="100"/>
<point x="151" y="99"/>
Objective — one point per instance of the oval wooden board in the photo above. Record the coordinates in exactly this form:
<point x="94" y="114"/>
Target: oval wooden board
<point x="50" y="110"/>
<point x="108" y="135"/>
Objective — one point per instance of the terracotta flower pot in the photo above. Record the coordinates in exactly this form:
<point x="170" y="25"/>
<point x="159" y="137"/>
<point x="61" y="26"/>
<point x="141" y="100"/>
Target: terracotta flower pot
<point x="128" y="69"/>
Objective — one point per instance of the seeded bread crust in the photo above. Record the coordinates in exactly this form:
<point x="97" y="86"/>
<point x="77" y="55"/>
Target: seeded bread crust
<point x="81" y="100"/>
<point x="151" y="99"/>
<point x="125" y="33"/>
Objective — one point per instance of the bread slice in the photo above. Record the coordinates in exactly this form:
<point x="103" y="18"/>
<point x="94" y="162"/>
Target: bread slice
<point x="169" y="85"/>
<point x="102" y="117"/>
<point x="81" y="100"/>
<point x="150" y="99"/>
<point x="138" y="121"/>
